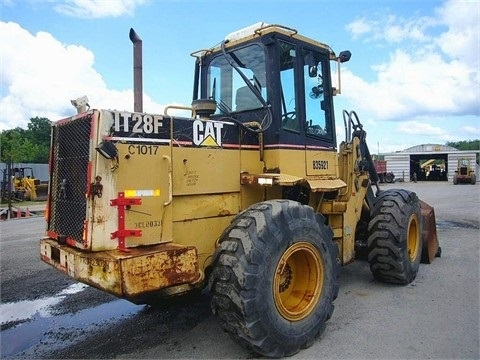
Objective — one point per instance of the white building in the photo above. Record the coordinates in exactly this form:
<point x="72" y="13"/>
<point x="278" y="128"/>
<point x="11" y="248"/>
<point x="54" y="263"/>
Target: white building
<point x="430" y="162"/>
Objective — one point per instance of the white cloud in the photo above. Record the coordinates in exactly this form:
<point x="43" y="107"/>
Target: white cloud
<point x="425" y="75"/>
<point x="416" y="128"/>
<point x="97" y="8"/>
<point x="38" y="72"/>
<point x="462" y="39"/>
<point x="39" y="76"/>
<point x="470" y="132"/>
<point x="359" y="27"/>
<point x="391" y="28"/>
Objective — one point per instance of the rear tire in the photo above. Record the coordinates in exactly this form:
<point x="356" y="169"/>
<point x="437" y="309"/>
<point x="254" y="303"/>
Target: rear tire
<point x="395" y="241"/>
<point x="473" y="180"/>
<point x="275" y="277"/>
<point x="455" y="179"/>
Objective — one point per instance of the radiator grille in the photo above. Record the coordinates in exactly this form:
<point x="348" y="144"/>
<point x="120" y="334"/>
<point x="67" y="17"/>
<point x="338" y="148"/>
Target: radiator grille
<point x="69" y="171"/>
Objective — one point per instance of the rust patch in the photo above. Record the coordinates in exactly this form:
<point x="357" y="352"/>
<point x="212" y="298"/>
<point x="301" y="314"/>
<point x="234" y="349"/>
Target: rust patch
<point x="224" y="212"/>
<point x="130" y="274"/>
<point x="247" y="179"/>
<point x="100" y="219"/>
<point x="170" y="266"/>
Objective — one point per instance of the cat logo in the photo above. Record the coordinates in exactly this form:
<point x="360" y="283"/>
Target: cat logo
<point x="208" y="133"/>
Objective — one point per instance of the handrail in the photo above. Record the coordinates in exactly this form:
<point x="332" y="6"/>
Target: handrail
<point x="170" y="183"/>
<point x="179" y="107"/>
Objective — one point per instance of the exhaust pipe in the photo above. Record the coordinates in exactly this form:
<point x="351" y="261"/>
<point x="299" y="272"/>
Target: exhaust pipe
<point x="137" y="72"/>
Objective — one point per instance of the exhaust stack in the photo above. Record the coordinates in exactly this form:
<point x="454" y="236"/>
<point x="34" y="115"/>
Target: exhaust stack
<point x="137" y="71"/>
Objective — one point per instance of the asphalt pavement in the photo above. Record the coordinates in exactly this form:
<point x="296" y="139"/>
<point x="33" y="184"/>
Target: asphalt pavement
<point x="45" y="314"/>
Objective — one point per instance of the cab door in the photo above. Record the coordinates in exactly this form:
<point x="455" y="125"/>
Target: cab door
<point x="319" y="123"/>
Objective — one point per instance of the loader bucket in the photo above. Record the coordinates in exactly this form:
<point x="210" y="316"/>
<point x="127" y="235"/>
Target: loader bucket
<point x="41" y="192"/>
<point x="431" y="248"/>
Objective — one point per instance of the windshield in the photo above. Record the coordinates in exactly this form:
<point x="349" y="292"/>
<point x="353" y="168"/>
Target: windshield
<point x="228" y="88"/>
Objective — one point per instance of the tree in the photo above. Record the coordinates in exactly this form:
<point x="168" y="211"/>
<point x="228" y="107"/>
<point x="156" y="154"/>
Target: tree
<point x="27" y="146"/>
<point x="466" y="145"/>
<point x="39" y="130"/>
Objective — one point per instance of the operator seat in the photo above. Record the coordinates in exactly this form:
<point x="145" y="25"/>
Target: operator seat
<point x="245" y="99"/>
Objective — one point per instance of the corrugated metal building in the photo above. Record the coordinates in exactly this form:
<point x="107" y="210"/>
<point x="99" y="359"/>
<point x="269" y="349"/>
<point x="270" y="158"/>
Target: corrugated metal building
<point x="430" y="162"/>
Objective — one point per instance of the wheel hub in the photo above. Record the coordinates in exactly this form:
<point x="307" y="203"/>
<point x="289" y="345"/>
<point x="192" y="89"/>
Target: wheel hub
<point x="285" y="278"/>
<point x="413" y="238"/>
<point x="298" y="281"/>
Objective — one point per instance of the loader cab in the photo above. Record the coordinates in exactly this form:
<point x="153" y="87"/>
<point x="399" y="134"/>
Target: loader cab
<point x="270" y="71"/>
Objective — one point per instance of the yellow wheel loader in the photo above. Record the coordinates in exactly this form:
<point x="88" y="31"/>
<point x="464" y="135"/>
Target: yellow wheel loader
<point x="31" y="187"/>
<point x="248" y="195"/>
<point x="20" y="184"/>
<point x="464" y="172"/>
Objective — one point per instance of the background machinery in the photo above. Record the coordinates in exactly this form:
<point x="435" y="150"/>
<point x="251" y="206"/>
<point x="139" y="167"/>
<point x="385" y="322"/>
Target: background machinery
<point x="20" y="184"/>
<point x="464" y="173"/>
<point x="249" y="196"/>
<point x="383" y="174"/>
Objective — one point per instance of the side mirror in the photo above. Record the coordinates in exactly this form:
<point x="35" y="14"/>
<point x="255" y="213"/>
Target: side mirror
<point x="344" y="56"/>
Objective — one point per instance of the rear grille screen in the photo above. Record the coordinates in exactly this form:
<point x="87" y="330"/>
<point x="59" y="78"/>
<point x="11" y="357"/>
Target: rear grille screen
<point x="69" y="170"/>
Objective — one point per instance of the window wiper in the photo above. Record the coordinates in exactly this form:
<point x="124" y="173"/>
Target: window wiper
<point x="235" y="62"/>
<point x="223" y="107"/>
<point x="268" y="119"/>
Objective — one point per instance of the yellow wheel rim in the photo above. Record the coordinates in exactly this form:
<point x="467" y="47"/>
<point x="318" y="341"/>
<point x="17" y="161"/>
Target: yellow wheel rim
<point x="413" y="238"/>
<point x="298" y="281"/>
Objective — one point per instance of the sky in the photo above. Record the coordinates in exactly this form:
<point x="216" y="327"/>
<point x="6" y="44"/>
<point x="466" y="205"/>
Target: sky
<point x="414" y="75"/>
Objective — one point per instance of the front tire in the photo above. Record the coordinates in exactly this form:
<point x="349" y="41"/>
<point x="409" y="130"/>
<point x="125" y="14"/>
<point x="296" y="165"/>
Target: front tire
<point x="455" y="179"/>
<point x="275" y="277"/>
<point x="395" y="240"/>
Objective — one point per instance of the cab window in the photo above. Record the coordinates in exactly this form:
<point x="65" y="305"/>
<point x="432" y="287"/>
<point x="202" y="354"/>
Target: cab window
<point x="228" y="88"/>
<point x="288" y="54"/>
<point x="315" y="104"/>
